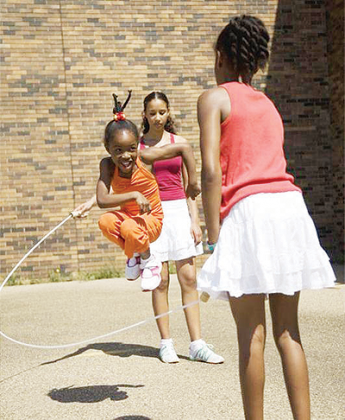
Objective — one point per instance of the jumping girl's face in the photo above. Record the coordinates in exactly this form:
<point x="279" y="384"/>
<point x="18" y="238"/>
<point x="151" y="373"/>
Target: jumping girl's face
<point x="123" y="149"/>
<point x="157" y="114"/>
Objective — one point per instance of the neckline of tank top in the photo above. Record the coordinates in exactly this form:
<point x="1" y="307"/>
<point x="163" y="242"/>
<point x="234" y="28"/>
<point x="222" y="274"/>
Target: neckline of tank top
<point x="171" y="138"/>
<point x="239" y="83"/>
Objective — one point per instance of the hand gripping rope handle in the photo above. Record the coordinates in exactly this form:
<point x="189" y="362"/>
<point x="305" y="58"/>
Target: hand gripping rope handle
<point x="36" y="346"/>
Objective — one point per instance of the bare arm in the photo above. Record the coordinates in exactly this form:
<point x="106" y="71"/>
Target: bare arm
<point x="209" y="118"/>
<point x="83" y="209"/>
<point x="169" y="151"/>
<point x="193" y="211"/>
<point x="107" y="199"/>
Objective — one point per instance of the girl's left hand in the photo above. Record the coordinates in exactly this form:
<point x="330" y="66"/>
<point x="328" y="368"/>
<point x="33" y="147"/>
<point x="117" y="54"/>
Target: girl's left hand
<point x="193" y="190"/>
<point x="196" y="233"/>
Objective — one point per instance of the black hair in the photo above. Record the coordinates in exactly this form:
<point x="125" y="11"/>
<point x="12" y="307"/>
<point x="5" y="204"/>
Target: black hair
<point x="170" y="124"/>
<point x="244" y="41"/>
<point x="119" y="122"/>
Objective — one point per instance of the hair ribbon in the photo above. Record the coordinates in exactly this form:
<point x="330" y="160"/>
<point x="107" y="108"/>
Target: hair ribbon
<point x="119" y="116"/>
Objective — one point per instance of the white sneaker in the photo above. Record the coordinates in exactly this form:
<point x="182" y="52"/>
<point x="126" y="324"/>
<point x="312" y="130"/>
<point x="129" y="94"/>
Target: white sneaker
<point x="167" y="354"/>
<point x="150" y="273"/>
<point x="205" y="354"/>
<point x="132" y="270"/>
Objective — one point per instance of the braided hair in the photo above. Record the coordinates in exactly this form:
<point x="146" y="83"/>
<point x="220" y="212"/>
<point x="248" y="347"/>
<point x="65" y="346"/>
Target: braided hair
<point x="244" y="41"/>
<point x="170" y="124"/>
<point x="119" y="122"/>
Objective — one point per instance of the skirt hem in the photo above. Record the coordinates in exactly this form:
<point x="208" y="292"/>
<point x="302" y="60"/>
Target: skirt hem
<point x="225" y="294"/>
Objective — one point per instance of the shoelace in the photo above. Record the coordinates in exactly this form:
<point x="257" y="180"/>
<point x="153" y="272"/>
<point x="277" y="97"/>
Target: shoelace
<point x="204" y="352"/>
<point x="168" y="351"/>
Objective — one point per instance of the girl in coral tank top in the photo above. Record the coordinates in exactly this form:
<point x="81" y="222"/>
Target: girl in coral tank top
<point x="262" y="237"/>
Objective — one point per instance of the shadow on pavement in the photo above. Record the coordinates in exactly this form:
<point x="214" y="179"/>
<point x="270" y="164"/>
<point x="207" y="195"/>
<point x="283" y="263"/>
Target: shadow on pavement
<point x="133" y="418"/>
<point x="339" y="273"/>
<point x="116" y="349"/>
<point x="90" y="394"/>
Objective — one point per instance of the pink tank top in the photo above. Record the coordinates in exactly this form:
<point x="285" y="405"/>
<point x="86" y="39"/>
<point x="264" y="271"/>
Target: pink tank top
<point x="168" y="175"/>
<point x="251" y="148"/>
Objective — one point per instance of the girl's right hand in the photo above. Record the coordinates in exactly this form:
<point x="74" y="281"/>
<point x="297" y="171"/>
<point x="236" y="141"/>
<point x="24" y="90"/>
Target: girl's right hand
<point x="192" y="190"/>
<point x="83" y="209"/>
<point x="143" y="203"/>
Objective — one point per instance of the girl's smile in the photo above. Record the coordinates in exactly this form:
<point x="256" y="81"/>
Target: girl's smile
<point x="124" y="151"/>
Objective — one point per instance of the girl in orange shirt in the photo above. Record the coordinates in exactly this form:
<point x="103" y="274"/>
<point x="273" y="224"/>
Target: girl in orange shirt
<point x="126" y="182"/>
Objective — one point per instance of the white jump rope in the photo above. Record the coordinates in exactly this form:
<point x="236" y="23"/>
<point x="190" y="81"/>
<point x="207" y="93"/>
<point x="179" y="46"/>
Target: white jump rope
<point x="204" y="298"/>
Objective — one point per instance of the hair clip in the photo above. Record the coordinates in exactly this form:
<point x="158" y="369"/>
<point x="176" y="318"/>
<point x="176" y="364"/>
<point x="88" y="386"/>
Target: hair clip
<point x="120" y="116"/>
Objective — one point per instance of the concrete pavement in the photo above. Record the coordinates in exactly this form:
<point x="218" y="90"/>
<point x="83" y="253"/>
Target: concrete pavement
<point x="120" y="376"/>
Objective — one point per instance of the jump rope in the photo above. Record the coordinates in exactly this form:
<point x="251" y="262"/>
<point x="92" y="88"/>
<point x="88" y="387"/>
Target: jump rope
<point x="203" y="297"/>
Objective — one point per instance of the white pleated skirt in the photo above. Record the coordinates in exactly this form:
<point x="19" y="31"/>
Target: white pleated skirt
<point x="267" y="244"/>
<point x="175" y="241"/>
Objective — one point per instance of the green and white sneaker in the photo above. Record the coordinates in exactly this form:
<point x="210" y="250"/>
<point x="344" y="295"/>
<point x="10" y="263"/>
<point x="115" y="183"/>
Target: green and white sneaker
<point x="167" y="353"/>
<point x="204" y="353"/>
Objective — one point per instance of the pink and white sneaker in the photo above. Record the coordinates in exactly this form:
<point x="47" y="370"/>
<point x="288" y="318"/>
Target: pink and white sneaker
<point x="132" y="270"/>
<point x="150" y="273"/>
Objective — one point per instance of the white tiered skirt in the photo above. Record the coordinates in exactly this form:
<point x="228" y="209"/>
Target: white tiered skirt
<point x="267" y="244"/>
<point x="175" y="241"/>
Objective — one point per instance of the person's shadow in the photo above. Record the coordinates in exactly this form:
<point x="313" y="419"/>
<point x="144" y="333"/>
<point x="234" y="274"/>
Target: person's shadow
<point x="116" y="349"/>
<point x="134" y="417"/>
<point x="90" y="394"/>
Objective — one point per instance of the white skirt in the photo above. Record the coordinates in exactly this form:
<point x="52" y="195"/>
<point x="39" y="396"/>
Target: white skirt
<point x="175" y="241"/>
<point x="267" y="244"/>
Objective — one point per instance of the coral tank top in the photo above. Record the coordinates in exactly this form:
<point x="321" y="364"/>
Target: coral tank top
<point x="251" y="147"/>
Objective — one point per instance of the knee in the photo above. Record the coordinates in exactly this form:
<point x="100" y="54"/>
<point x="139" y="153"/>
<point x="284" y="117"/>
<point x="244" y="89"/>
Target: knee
<point x="188" y="282"/>
<point x="129" y="228"/>
<point x="164" y="284"/>
<point x="284" y="337"/>
<point x="105" y="222"/>
<point x="251" y="339"/>
<point x="259" y="336"/>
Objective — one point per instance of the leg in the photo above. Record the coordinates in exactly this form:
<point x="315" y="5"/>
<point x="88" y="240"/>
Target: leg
<point x="249" y="315"/>
<point x="110" y="225"/>
<point x="284" y="311"/>
<point x="136" y="232"/>
<point x="186" y="274"/>
<point x="132" y="234"/>
<point x="135" y="235"/>
<point x="160" y="302"/>
<point x="198" y="349"/>
<point x="152" y="227"/>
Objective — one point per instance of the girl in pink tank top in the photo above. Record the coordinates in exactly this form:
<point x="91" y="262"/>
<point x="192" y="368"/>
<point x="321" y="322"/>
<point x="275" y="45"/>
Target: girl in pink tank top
<point x="169" y="175"/>
<point x="262" y="237"/>
<point x="180" y="240"/>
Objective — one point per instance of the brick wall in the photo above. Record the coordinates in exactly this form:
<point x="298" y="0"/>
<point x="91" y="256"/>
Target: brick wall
<point x="299" y="85"/>
<point x="61" y="62"/>
<point x="335" y="32"/>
